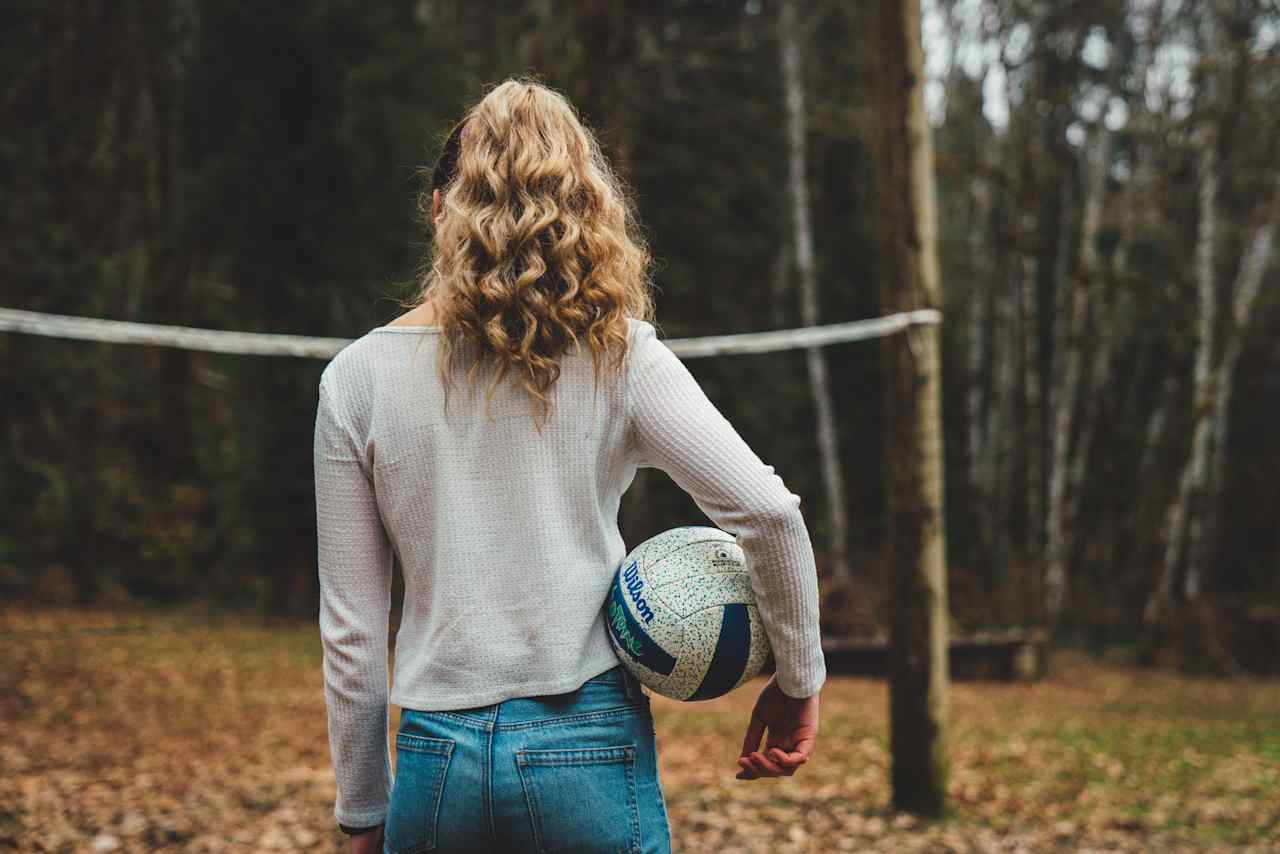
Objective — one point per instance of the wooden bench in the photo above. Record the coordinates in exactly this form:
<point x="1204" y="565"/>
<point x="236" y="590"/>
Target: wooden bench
<point x="1015" y="655"/>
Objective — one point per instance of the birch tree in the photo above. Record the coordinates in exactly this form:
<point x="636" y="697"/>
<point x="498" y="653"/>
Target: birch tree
<point x="802" y="237"/>
<point x="1245" y="294"/>
<point x="1215" y="361"/>
<point x="1069" y="324"/>
<point x="1207" y="304"/>
<point x="1069" y="441"/>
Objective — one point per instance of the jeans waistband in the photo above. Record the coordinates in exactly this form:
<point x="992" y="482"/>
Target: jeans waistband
<point x="524" y="711"/>
<point x="619" y="675"/>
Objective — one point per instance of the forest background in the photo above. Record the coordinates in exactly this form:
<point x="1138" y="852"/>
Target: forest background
<point x="1108" y="201"/>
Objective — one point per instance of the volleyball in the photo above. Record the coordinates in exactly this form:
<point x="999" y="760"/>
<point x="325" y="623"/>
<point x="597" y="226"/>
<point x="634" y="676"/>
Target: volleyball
<point x="682" y="616"/>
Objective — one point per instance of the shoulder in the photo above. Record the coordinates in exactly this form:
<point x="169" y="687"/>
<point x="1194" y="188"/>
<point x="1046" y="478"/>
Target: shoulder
<point x="642" y="338"/>
<point x="349" y="366"/>
<point x="650" y="359"/>
<point x="641" y="333"/>
<point x="346" y="383"/>
<point x="638" y="325"/>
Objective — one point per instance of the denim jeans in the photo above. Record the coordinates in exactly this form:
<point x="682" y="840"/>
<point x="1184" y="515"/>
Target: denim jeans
<point x="573" y="772"/>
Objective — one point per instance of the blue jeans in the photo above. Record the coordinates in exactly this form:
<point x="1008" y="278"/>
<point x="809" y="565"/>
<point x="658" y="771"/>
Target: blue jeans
<point x="573" y="772"/>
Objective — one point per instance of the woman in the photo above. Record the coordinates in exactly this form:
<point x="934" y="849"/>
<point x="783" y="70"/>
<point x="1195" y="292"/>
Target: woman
<point x="519" y="729"/>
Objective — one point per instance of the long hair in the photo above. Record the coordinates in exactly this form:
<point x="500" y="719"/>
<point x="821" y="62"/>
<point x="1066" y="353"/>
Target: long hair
<point x="538" y="248"/>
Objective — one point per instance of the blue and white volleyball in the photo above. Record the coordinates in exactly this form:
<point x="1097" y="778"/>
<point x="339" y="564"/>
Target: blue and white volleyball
<point x="682" y="616"/>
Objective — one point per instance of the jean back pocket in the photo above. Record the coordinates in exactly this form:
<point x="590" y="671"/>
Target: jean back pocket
<point x="421" y="766"/>
<point x="582" y="799"/>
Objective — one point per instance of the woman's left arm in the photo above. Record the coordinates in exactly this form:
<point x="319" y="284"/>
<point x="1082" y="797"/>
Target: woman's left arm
<point x="354" y="562"/>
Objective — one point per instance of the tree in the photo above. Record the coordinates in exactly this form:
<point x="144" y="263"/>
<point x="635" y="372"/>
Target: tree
<point x="1218" y="345"/>
<point x="907" y="228"/>
<point x="802" y="230"/>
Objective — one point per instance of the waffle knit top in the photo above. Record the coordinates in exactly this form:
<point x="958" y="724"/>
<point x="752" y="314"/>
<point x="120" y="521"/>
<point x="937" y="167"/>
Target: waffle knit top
<point x="508" y="539"/>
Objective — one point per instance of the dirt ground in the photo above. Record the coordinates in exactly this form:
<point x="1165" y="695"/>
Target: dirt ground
<point x="169" y="732"/>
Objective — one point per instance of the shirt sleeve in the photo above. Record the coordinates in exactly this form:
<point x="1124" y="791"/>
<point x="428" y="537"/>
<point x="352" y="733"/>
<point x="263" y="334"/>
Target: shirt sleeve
<point x="673" y="426"/>
<point x="354" y="563"/>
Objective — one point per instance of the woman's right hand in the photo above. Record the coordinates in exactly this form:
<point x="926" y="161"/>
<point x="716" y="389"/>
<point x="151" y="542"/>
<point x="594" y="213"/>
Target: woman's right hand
<point x="792" y="726"/>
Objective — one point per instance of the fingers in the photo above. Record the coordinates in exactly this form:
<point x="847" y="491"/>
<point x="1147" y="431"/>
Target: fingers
<point x="792" y="760"/>
<point x="770" y="768"/>
<point x="782" y="755"/>
<point x="756" y="765"/>
<point x="752" y="769"/>
<point x="755" y="731"/>
<point x="804" y="739"/>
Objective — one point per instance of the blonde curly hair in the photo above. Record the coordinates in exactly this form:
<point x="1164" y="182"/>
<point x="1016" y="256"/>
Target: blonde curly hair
<point x="538" y="245"/>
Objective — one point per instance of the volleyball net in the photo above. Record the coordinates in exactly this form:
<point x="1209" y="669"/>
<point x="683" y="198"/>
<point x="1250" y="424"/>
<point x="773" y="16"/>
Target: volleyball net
<point x="311" y="347"/>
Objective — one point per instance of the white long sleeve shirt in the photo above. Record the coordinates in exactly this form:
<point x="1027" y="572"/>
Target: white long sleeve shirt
<point x="507" y="539"/>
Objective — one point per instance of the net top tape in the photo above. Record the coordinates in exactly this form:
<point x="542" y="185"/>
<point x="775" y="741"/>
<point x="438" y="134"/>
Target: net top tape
<point x="309" y="347"/>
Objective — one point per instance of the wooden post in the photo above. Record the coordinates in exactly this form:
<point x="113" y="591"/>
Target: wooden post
<point x="907" y="231"/>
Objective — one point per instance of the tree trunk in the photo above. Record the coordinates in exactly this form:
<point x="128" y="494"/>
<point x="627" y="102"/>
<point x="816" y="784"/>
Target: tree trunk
<point x="907" y="226"/>
<point x="1202" y="393"/>
<point x="1033" y="443"/>
<point x="978" y="342"/>
<point x="1112" y="321"/>
<point x="779" y="297"/>
<point x="815" y="357"/>
<point x="1002" y="425"/>
<point x="1072" y="306"/>
<point x="1248" y="287"/>
<point x="1069" y="328"/>
<point x="1139" y="212"/>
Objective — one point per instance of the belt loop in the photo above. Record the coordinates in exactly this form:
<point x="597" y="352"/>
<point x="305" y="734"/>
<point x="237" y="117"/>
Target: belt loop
<point x="634" y="689"/>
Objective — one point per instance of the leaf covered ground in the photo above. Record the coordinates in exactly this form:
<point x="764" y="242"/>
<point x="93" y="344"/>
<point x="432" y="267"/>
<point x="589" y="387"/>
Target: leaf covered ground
<point x="172" y="732"/>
